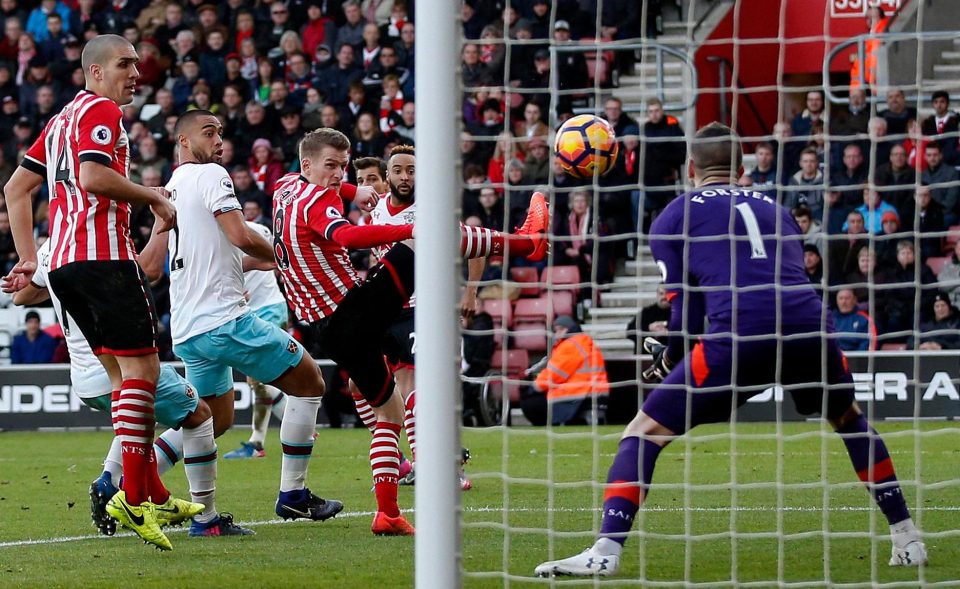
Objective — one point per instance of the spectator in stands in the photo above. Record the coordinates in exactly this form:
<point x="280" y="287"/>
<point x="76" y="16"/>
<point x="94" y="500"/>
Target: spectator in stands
<point x="664" y="152"/>
<point x="253" y="213"/>
<point x="32" y="345"/>
<point x="493" y="52"/>
<point x="277" y="101"/>
<point x="10" y="43"/>
<point x="254" y="126"/>
<point x="763" y="176"/>
<point x="942" y="332"/>
<point x="803" y="122"/>
<point x="368" y="141"/>
<point x="232" y="112"/>
<point x="536" y="166"/>
<point x="866" y="276"/>
<point x="651" y="321"/>
<point x="851" y="121"/>
<point x="335" y="81"/>
<point x="887" y="240"/>
<point x="579" y="231"/>
<point x="246" y="190"/>
<point x="182" y="85"/>
<point x="571" y="376"/>
<point x="405" y="47"/>
<point x="943" y="121"/>
<point x="8" y="253"/>
<point x="318" y="30"/>
<point x="264" y="167"/>
<point x="809" y="227"/>
<point x="897" y="113"/>
<point x="842" y="257"/>
<point x="929" y="220"/>
<point x="213" y="65"/>
<point x="805" y="188"/>
<point x="489" y="209"/>
<point x="391" y="103"/>
<point x="613" y="112"/>
<point x="472" y="71"/>
<point x="530" y="126"/>
<point x="148" y="156"/>
<point x="516" y="195"/>
<point x="171" y="27"/>
<point x="37" y="76"/>
<point x="571" y="66"/>
<point x="52" y="47"/>
<point x="948" y="281"/>
<point x="898" y="298"/>
<point x="855" y="329"/>
<point x="44" y="108"/>
<point x="268" y="35"/>
<point x="392" y="30"/>
<point x="37" y="21"/>
<point x="916" y="146"/>
<point x="330" y="117"/>
<point x="408" y="121"/>
<point x="473" y="22"/>
<point x="898" y="179"/>
<point x="813" y="266"/>
<point x="877" y="147"/>
<point x="164" y="100"/>
<point x="289" y="140"/>
<point x="942" y="178"/>
<point x="351" y="31"/>
<point x="873" y="209"/>
<point x="370" y="48"/>
<point x="852" y="174"/>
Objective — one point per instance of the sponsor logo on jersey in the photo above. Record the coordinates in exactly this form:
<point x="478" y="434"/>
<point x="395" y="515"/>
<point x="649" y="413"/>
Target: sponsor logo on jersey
<point x="226" y="184"/>
<point x="101" y="135"/>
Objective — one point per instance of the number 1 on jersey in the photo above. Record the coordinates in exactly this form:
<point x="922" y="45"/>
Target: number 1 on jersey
<point x="757" y="250"/>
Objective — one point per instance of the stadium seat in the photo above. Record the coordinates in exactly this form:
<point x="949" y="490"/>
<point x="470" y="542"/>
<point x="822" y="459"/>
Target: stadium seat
<point x="530" y="336"/>
<point x="536" y="310"/>
<point x="500" y="310"/>
<point x="558" y="276"/>
<point x="936" y="264"/>
<point x="562" y="302"/>
<point x="893" y="346"/>
<point x="526" y="276"/>
<point x="511" y="362"/>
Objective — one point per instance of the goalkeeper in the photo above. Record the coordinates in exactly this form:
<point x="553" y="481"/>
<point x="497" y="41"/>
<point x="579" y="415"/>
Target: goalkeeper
<point x="720" y="257"/>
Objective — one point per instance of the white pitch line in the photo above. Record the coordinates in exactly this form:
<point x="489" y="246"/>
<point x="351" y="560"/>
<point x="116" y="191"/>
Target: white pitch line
<point x="487" y="509"/>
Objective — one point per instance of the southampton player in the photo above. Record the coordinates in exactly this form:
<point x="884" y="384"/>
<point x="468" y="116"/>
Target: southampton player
<point x="83" y="154"/>
<point x="350" y="317"/>
<point x="266" y="302"/>
<point x="177" y="406"/>
<point x="741" y="233"/>
<point x="212" y="327"/>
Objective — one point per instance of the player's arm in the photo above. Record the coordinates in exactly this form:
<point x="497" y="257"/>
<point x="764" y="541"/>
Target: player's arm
<point x="364" y="197"/>
<point x="243" y="237"/>
<point x="26" y="179"/>
<point x="468" y="301"/>
<point x="249" y="263"/>
<point x="154" y="254"/>
<point x="31" y="295"/>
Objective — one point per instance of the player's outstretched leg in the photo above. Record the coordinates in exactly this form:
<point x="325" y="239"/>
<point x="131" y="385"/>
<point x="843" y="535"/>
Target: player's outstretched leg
<point x="529" y="241"/>
<point x="628" y="482"/>
<point x="104" y="487"/>
<point x="268" y="401"/>
<point x="874" y="467"/>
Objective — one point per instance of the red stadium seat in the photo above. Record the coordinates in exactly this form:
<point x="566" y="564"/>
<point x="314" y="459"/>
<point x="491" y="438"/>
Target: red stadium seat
<point x="500" y="310"/>
<point x="510" y="362"/>
<point x="936" y="264"/>
<point x="561" y="302"/>
<point x="530" y="336"/>
<point x="893" y="346"/>
<point x="538" y="310"/>
<point x="526" y="276"/>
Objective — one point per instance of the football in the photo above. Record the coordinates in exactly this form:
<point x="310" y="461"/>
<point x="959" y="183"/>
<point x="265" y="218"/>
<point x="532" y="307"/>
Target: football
<point x="586" y="145"/>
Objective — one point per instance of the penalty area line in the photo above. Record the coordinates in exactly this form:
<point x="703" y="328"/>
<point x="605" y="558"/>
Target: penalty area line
<point x="474" y="510"/>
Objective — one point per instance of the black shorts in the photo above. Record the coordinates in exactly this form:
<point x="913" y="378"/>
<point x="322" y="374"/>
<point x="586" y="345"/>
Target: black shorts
<point x="353" y="335"/>
<point x="111" y="303"/>
<point x="400" y="342"/>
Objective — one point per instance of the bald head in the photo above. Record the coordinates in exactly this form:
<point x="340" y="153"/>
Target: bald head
<point x="715" y="151"/>
<point x="101" y="49"/>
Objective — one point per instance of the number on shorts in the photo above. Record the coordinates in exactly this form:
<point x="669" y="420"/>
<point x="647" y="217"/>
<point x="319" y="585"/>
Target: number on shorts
<point x="757" y="250"/>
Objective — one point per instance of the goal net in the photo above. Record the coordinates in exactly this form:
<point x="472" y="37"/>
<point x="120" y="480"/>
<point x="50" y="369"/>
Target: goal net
<point x="840" y="123"/>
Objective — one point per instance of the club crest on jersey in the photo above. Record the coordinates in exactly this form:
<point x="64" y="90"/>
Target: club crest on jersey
<point x="333" y="213"/>
<point x="292" y="347"/>
<point x="101" y="135"/>
<point x="409" y="218"/>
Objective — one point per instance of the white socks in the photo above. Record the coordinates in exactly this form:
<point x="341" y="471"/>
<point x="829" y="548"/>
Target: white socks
<point x="200" y="464"/>
<point x="296" y="438"/>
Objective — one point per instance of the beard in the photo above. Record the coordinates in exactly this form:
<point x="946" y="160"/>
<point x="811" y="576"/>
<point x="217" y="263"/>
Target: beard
<point x="405" y="199"/>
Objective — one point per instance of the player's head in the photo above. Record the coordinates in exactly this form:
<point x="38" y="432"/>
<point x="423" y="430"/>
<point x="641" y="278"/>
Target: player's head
<point x="199" y="137"/>
<point x="110" y="67"/>
<point x="402" y="173"/>
<point x="324" y="155"/>
<point x="372" y="172"/>
<point x="715" y="154"/>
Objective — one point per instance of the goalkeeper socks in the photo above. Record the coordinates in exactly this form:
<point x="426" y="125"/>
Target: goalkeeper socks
<point x="113" y="463"/>
<point x="878" y="474"/>
<point x="385" y="464"/>
<point x="169" y="449"/>
<point x="200" y="464"/>
<point x="627" y="482"/>
<point x="297" y="430"/>
<point x="478" y="242"/>
<point x="365" y="412"/>
<point x="133" y="422"/>
<point x="410" y="423"/>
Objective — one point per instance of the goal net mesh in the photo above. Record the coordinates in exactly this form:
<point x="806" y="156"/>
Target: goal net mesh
<point x="769" y="498"/>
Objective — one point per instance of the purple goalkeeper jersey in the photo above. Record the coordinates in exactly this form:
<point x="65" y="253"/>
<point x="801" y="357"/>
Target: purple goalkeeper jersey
<point x="736" y="256"/>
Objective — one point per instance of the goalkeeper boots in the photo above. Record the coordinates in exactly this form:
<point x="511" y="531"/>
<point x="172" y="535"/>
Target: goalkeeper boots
<point x="101" y="491"/>
<point x="176" y="511"/>
<point x="536" y="225"/>
<point x="141" y="519"/>
<point x="913" y="554"/>
<point x="586" y="564"/>
<point x="302" y="503"/>
<point x="384" y="525"/>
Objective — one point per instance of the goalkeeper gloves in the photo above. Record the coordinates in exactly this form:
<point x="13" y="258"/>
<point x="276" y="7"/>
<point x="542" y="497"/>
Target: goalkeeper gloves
<point x="662" y="365"/>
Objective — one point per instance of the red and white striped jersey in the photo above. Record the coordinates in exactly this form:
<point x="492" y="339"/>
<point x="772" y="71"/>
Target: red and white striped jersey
<point x="316" y="270"/>
<point x="386" y="214"/>
<point x="83" y="225"/>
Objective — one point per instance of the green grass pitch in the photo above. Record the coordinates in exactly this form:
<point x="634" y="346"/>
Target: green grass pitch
<point x="43" y="498"/>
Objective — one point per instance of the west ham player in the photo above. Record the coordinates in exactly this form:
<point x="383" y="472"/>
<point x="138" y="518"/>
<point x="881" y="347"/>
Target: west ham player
<point x="177" y="406"/>
<point x="350" y="317"/>
<point x="266" y="302"/>
<point x="744" y="257"/>
<point x="211" y="324"/>
<point x="83" y="155"/>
